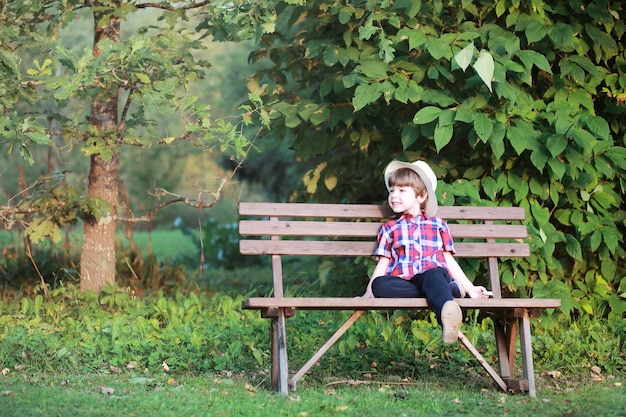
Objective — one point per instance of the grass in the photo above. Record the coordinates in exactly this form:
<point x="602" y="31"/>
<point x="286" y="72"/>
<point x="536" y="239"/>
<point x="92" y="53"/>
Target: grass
<point x="137" y="394"/>
<point x="165" y="244"/>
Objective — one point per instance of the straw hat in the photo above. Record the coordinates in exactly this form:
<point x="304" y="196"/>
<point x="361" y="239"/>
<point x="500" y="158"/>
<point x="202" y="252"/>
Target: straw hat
<point x="427" y="175"/>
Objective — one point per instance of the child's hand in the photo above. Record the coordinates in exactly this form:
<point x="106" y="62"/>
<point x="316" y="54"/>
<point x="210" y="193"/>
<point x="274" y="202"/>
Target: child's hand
<point x="478" y="292"/>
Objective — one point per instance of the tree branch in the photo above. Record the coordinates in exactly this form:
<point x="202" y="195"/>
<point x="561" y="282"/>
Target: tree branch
<point x="172" y="8"/>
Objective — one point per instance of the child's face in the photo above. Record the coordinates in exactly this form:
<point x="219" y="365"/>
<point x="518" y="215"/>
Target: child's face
<point x="402" y="199"/>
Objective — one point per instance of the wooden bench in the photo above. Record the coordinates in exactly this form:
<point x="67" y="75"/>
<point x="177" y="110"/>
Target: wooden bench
<point x="302" y="229"/>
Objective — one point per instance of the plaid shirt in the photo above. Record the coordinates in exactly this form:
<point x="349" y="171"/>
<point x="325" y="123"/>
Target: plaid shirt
<point x="414" y="244"/>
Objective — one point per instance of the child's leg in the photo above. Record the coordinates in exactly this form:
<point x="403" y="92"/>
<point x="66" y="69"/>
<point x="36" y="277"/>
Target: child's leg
<point x="394" y="287"/>
<point x="435" y="284"/>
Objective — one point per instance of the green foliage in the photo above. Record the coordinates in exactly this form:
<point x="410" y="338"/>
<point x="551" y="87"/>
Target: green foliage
<point x="513" y="103"/>
<point x="195" y="333"/>
<point x="86" y="333"/>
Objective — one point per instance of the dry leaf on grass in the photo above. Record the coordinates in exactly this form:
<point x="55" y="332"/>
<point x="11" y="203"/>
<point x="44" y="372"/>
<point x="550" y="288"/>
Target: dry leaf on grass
<point x="106" y="390"/>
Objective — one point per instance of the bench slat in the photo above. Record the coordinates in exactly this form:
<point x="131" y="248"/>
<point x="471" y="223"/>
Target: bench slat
<point x="359" y="248"/>
<point x="370" y="229"/>
<point x="339" y="303"/>
<point x="373" y="211"/>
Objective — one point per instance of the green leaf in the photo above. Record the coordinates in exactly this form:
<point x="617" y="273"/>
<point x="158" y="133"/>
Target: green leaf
<point x="617" y="154"/>
<point x="520" y="135"/>
<point x="535" y="31"/>
<point x="409" y="135"/>
<point x="464" y="57"/>
<point x="484" y="67"/>
<point x="483" y="126"/>
<point x="446" y="117"/>
<point x="556" y="144"/>
<point x="365" y="94"/>
<point x="599" y="126"/>
<point x="366" y="31"/>
<point x="530" y="58"/>
<point x="443" y="135"/>
<point x="490" y="187"/>
<point x="496" y="140"/>
<point x="438" y="48"/>
<point x="426" y="115"/>
<point x="539" y="158"/>
<point x="374" y="68"/>
<point x="573" y="248"/>
<point x="562" y="36"/>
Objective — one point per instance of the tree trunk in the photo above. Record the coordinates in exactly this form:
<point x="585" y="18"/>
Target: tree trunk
<point x="97" y="260"/>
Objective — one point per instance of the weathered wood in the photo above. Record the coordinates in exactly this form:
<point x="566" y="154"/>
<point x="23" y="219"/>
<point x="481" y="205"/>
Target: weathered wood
<point x="369" y="230"/>
<point x="358" y="303"/>
<point x="373" y="211"/>
<point x="360" y="248"/>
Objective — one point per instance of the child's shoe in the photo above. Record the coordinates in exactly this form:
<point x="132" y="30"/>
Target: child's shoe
<point x="451" y="318"/>
<point x="457" y="290"/>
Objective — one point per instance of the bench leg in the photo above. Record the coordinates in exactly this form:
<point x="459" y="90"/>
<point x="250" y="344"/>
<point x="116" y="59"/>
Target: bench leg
<point x="494" y="375"/>
<point x="527" y="354"/>
<point x="506" y="336"/>
<point x="507" y="331"/>
<point x="278" y="336"/>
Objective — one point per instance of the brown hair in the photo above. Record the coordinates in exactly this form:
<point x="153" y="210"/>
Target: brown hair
<point x="406" y="177"/>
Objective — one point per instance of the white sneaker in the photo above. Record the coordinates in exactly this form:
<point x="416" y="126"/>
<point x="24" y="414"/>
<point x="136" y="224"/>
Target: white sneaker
<point x="451" y="318"/>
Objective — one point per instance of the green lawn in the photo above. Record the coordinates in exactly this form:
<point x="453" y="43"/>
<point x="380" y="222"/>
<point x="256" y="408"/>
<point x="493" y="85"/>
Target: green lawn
<point x="165" y="244"/>
<point x="137" y="394"/>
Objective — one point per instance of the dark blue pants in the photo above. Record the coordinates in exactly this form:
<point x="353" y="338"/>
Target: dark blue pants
<point x="433" y="284"/>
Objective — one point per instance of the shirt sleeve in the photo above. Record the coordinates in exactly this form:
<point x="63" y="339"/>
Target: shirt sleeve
<point x="383" y="245"/>
<point x="446" y="237"/>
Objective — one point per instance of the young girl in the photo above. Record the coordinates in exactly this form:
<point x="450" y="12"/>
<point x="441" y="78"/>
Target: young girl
<point x="415" y="251"/>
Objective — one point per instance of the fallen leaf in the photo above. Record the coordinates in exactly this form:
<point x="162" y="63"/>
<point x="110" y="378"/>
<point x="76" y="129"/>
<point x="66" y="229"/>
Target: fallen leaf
<point x="115" y="369"/>
<point x="6" y="393"/>
<point x="342" y="408"/>
<point x="172" y="382"/>
<point x="456" y="401"/>
<point x="131" y="365"/>
<point x="166" y="368"/>
<point x="250" y="387"/>
<point x="5" y="371"/>
<point x="19" y="367"/>
<point x="107" y="390"/>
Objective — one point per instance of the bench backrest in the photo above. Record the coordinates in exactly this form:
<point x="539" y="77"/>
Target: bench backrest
<point x="279" y="229"/>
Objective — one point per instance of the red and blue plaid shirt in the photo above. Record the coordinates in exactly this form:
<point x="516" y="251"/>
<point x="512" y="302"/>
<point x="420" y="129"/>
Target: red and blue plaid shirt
<point x="414" y="244"/>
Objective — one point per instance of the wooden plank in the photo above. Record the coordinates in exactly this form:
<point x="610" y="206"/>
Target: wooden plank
<point x="360" y="248"/>
<point x="357" y="303"/>
<point x="494" y="375"/>
<point x="370" y="229"/>
<point x="374" y="211"/>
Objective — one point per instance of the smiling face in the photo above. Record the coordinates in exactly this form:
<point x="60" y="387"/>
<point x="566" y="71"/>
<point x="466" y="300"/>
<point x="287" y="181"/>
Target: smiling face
<point x="407" y="192"/>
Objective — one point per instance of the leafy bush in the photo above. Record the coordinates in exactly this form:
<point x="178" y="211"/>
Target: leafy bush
<point x="198" y="332"/>
<point x="221" y="247"/>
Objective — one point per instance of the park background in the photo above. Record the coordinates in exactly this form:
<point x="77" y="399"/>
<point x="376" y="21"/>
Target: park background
<point x="513" y="102"/>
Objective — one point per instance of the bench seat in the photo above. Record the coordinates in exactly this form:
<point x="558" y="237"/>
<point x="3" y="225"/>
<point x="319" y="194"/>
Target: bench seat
<point x="357" y="303"/>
